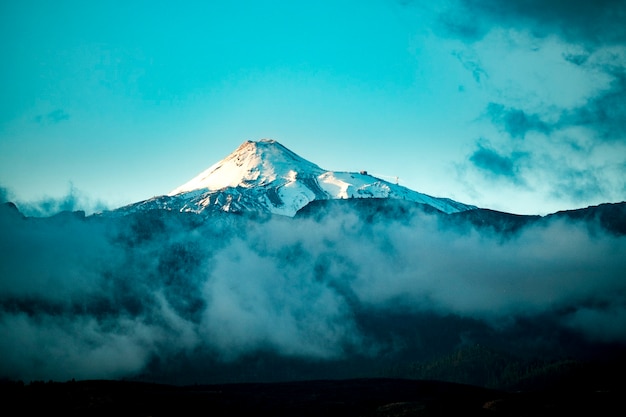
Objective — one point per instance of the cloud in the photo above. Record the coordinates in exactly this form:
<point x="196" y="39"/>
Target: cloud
<point x="604" y="113"/>
<point x="596" y="37"/>
<point x="592" y="35"/>
<point x="578" y="185"/>
<point x="576" y="58"/>
<point x="578" y="21"/>
<point x="462" y="24"/>
<point x="516" y="122"/>
<point x="556" y="79"/>
<point x="601" y="324"/>
<point x="572" y="153"/>
<point x="74" y="200"/>
<point x="488" y="159"/>
<point x="472" y="64"/>
<point x="255" y="301"/>
<point x="110" y="297"/>
<point x="567" y="168"/>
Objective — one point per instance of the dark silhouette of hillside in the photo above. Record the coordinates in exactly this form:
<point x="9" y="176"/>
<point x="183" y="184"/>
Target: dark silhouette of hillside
<point x="346" y="398"/>
<point x="482" y="366"/>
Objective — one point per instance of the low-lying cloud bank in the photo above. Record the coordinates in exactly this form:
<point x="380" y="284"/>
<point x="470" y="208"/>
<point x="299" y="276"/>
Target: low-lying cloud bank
<point x="73" y="200"/>
<point x="99" y="297"/>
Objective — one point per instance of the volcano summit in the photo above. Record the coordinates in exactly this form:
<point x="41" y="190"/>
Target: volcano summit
<point x="266" y="177"/>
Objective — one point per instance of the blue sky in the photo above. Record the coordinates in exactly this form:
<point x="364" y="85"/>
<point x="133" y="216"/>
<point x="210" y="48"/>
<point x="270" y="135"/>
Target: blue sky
<point x="517" y="106"/>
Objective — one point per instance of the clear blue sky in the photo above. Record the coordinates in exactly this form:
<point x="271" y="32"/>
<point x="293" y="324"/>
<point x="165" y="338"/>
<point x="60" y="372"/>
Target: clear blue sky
<point x="517" y="106"/>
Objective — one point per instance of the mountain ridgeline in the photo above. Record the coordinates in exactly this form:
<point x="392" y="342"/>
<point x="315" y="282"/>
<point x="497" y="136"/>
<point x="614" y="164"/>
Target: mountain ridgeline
<point x="266" y="267"/>
<point x="266" y="177"/>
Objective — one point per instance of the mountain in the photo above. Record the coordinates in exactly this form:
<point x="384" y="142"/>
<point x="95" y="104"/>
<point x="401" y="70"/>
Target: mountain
<point x="266" y="177"/>
<point x="353" y="278"/>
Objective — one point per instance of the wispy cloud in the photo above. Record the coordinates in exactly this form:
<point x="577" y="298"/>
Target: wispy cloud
<point x="472" y="64"/>
<point x="496" y="164"/>
<point x="73" y="200"/>
<point x="592" y="23"/>
<point x="595" y="31"/>
<point x="516" y="122"/>
<point x="578" y="185"/>
<point x="605" y="113"/>
<point x="560" y="86"/>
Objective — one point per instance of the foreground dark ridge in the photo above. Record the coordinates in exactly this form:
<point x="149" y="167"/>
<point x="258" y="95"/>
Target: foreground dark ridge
<point x="356" y="397"/>
<point x="609" y="216"/>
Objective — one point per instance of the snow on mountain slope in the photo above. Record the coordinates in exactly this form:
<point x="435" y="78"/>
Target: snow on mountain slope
<point x="265" y="176"/>
<point x="252" y="164"/>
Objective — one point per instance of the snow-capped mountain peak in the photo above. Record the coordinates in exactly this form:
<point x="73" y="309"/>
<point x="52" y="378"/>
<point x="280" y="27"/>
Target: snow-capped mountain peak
<point x="264" y="176"/>
<point x="251" y="164"/>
